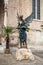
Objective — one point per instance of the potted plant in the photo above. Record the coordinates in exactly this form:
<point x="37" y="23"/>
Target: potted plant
<point x="7" y="30"/>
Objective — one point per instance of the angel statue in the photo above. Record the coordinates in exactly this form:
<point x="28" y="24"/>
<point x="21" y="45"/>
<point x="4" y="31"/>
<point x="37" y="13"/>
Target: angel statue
<point x="22" y="26"/>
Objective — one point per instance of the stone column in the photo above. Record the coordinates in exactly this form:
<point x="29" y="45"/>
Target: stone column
<point x="5" y="12"/>
<point x="35" y="9"/>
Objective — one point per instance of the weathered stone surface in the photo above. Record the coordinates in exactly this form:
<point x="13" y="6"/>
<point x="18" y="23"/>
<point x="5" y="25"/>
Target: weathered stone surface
<point x="9" y="59"/>
<point x="23" y="7"/>
<point x="24" y="53"/>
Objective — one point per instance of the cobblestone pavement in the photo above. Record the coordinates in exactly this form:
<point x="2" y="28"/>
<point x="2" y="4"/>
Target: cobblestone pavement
<point x="9" y="59"/>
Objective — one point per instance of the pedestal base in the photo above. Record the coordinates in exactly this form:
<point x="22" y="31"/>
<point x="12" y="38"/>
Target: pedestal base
<point x="7" y="51"/>
<point x="24" y="53"/>
<point x="24" y="46"/>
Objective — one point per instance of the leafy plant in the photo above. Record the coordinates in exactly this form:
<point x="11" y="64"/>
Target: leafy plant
<point x="42" y="26"/>
<point x="28" y="28"/>
<point x="6" y="31"/>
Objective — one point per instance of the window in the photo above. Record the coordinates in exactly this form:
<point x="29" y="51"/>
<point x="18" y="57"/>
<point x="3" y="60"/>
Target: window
<point x="36" y="8"/>
<point x="33" y="8"/>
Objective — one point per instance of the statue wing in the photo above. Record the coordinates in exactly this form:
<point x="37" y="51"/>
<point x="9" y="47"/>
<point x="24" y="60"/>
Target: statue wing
<point x="29" y="18"/>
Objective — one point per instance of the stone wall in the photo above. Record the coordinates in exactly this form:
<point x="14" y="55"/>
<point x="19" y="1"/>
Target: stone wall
<point x="41" y="9"/>
<point x="24" y="7"/>
<point x="35" y="35"/>
<point x="12" y="12"/>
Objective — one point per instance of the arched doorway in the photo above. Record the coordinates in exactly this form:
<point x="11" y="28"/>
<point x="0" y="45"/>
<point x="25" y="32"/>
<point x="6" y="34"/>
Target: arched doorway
<point x="1" y="13"/>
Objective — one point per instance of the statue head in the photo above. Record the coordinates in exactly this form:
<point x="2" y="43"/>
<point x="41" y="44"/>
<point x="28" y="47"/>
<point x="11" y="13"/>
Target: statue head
<point x="21" y="18"/>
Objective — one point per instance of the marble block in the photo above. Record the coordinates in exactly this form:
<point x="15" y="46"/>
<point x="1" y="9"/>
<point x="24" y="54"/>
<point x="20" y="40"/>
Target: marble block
<point x="23" y="53"/>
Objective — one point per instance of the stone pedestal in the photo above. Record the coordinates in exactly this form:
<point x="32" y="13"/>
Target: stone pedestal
<point x="24" y="54"/>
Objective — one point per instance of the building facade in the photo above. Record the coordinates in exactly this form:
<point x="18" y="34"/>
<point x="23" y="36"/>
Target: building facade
<point x="23" y="7"/>
<point x="8" y="15"/>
